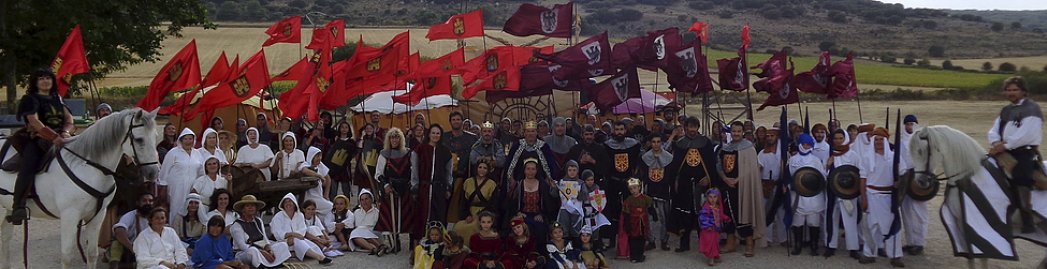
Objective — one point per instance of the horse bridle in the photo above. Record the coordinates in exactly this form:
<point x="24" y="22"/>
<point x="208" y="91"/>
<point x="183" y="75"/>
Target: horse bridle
<point x="927" y="165"/>
<point x="127" y="135"/>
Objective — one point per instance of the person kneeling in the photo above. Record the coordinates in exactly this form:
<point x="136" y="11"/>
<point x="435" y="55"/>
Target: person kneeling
<point x="158" y="247"/>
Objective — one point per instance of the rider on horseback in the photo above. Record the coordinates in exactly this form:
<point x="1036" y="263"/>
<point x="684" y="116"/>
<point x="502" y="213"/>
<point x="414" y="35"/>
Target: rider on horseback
<point x="1018" y="131"/>
<point x="49" y="122"/>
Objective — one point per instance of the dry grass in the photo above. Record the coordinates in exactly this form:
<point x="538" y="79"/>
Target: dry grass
<point x="1036" y="63"/>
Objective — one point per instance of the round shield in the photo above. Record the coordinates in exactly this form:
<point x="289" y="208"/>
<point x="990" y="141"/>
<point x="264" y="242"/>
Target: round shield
<point x="921" y="188"/>
<point x="808" y="182"/>
<point x="844" y="181"/>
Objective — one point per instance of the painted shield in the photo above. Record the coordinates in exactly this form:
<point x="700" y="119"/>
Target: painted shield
<point x="501" y="81"/>
<point x="598" y="199"/>
<point x="659" y="47"/>
<point x="569" y="189"/>
<point x="492" y="62"/>
<point x="240" y="86"/>
<point x="844" y="181"/>
<point x="808" y="182"/>
<point x="549" y="18"/>
<point x="459" y="26"/>
<point x="322" y="83"/>
<point x="287" y="29"/>
<point x="688" y="62"/>
<point x="592" y="52"/>
<point x="175" y="72"/>
<point x="621" y="87"/>
<point x="730" y="161"/>
<point x="374" y="65"/>
<point x="656" y="174"/>
<point x="693" y="159"/>
<point x="621" y="162"/>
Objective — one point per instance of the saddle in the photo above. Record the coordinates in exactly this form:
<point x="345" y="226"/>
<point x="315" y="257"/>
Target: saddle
<point x="19" y="140"/>
<point x="1006" y="163"/>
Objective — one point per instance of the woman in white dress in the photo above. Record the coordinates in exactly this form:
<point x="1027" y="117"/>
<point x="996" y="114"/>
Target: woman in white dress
<point x="250" y="240"/>
<point x="180" y="168"/>
<point x="158" y="247"/>
<point x="365" y="217"/>
<point x="313" y="167"/>
<point x="316" y="231"/>
<point x="289" y="226"/>
<point x="206" y="184"/>
<point x="209" y="146"/>
<point x="288" y="158"/>
<point x="255" y="154"/>
<point x="222" y="203"/>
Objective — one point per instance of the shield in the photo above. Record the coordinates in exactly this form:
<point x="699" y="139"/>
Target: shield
<point x="844" y="181"/>
<point x="287" y="29"/>
<point x="592" y="52"/>
<point x="322" y="83"/>
<point x="785" y="91"/>
<point x="500" y="81"/>
<point x="688" y="62"/>
<point x="374" y="64"/>
<point x="808" y="182"/>
<point x="569" y="189"/>
<point x="549" y="21"/>
<point x="730" y="161"/>
<point x="598" y="199"/>
<point x="920" y="188"/>
<point x="175" y="72"/>
<point x="621" y="87"/>
<point x="621" y="162"/>
<point x="656" y="174"/>
<point x="240" y="86"/>
<point x="492" y="62"/>
<point x="659" y="47"/>
<point x="693" y="159"/>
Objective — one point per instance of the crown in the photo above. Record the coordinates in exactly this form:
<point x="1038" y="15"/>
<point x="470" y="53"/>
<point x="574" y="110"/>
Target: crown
<point x="634" y="182"/>
<point x="530" y="160"/>
<point x="487" y="125"/>
<point x="530" y="125"/>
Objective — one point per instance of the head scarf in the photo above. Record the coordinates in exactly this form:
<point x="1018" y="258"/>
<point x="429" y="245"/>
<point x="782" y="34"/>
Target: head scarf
<point x="806" y="139"/>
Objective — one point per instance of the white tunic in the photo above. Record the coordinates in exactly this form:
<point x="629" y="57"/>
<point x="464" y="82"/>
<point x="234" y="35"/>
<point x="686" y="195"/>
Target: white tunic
<point x="821" y="150"/>
<point x="1027" y="132"/>
<point x="365" y="222"/>
<point x="151" y="249"/>
<point x="205" y="187"/>
<point x="814" y="204"/>
<point x="770" y="165"/>
<point x="178" y="172"/>
<point x="254" y="153"/>
<point x="282" y="224"/>
<point x="229" y="217"/>
<point x="317" y="193"/>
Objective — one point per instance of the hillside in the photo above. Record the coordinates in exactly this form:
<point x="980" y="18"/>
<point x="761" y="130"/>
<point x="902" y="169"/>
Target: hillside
<point x="868" y="27"/>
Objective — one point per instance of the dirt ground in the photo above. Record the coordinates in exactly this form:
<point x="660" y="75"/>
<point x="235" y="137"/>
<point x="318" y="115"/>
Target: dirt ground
<point x="971" y="117"/>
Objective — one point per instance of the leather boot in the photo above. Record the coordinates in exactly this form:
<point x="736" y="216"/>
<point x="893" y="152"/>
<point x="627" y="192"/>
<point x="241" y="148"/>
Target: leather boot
<point x="20" y="213"/>
<point x="685" y="241"/>
<point x="750" y="246"/>
<point x="732" y="244"/>
<point x="815" y="233"/>
<point x="797" y="240"/>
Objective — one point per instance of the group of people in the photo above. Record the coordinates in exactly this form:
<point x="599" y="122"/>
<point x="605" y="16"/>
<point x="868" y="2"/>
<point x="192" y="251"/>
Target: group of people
<point x="554" y="193"/>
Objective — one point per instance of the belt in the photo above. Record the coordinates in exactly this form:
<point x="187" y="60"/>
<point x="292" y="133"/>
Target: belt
<point x="1032" y="147"/>
<point x="880" y="188"/>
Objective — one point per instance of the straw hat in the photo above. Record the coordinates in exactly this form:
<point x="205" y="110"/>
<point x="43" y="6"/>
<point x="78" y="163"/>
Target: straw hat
<point x="247" y="199"/>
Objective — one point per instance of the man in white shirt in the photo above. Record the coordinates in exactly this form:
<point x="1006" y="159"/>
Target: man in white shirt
<point x="125" y="231"/>
<point x="1018" y="131"/>
<point x="875" y="199"/>
<point x="914" y="213"/>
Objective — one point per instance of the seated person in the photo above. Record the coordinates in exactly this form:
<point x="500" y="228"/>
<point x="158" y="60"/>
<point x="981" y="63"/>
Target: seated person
<point x="214" y="250"/>
<point x="249" y="240"/>
<point x="340" y="222"/>
<point x="158" y="246"/>
<point x="187" y="222"/>
<point x="289" y="225"/>
<point x="124" y="232"/>
<point x="366" y="216"/>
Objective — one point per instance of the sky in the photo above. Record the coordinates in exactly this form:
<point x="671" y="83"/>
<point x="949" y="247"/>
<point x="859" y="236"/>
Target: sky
<point x="974" y="4"/>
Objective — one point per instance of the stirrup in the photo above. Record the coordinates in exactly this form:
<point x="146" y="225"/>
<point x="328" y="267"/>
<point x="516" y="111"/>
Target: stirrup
<point x="18" y="216"/>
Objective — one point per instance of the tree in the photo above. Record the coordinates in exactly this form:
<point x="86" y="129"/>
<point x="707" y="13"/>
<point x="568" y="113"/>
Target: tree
<point x="826" y="45"/>
<point x="1007" y="67"/>
<point x="996" y="27"/>
<point x="297" y="4"/>
<point x="230" y="11"/>
<point x="947" y="65"/>
<point x="909" y="61"/>
<point x="130" y="32"/>
<point x="1016" y="25"/>
<point x="1045" y="68"/>
<point x="837" y="16"/>
<point x="987" y="66"/>
<point x="923" y="63"/>
<point x="936" y="51"/>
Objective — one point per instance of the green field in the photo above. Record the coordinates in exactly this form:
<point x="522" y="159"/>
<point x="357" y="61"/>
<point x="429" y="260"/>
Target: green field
<point x="870" y="72"/>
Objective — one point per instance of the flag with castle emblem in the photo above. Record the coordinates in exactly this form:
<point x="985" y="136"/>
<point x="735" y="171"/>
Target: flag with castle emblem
<point x="288" y="30"/>
<point x="218" y="73"/>
<point x="496" y="69"/>
<point x="458" y="27"/>
<point x="531" y="19"/>
<point x="615" y="89"/>
<point x="71" y="60"/>
<point x="181" y="72"/>
<point x="242" y="83"/>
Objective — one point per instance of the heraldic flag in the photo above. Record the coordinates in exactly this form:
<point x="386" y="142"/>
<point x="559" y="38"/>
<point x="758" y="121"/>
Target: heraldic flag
<point x="219" y="71"/>
<point x="71" y="60"/>
<point x="532" y="19"/>
<point x="458" y="27"/>
<point x="615" y="90"/>
<point x="288" y="30"/>
<point x="181" y="72"/>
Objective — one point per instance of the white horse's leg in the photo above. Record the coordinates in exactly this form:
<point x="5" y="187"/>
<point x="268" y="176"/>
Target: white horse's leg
<point x="69" y="220"/>
<point x="89" y="236"/>
<point x="6" y="233"/>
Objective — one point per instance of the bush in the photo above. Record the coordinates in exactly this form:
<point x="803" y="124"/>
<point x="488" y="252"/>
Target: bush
<point x="987" y="66"/>
<point x="1016" y="25"/>
<point x="1007" y="67"/>
<point x="826" y="45"/>
<point x="909" y="61"/>
<point x="947" y="65"/>
<point x="936" y="51"/>
<point x="1036" y="82"/>
<point x="996" y="27"/>
<point x="888" y="59"/>
<point x="628" y="14"/>
<point x="837" y="17"/>
<point x="725" y="14"/>
<point x="923" y="63"/>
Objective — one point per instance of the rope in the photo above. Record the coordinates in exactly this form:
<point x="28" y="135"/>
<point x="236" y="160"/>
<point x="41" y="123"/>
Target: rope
<point x="25" y="243"/>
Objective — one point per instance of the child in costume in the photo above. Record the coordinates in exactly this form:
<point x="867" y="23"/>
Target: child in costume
<point x="635" y="222"/>
<point x="591" y="250"/>
<point x="711" y="217"/>
<point x="572" y="192"/>
<point x="425" y="254"/>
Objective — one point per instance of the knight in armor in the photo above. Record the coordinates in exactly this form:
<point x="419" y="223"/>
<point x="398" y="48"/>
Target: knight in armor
<point x="875" y="202"/>
<point x="430" y="182"/>
<point x="844" y="211"/>
<point x="560" y="143"/>
<point x="914" y="213"/>
<point x="48" y="122"/>
<point x="396" y="178"/>
<point x="742" y="194"/>
<point x="1018" y="132"/>
<point x="530" y="147"/>
<point x="652" y="172"/>
<point x="691" y="171"/>
<point x="624" y="152"/>
<point x="807" y="210"/>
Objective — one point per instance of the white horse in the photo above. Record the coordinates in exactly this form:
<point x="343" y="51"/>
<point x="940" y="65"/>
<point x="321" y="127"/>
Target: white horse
<point x="89" y="158"/>
<point x="977" y="211"/>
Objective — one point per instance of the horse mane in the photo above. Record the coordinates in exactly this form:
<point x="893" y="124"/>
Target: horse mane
<point x="961" y="155"/>
<point x="104" y="135"/>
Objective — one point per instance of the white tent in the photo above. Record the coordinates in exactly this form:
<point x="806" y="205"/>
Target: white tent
<point x="382" y="102"/>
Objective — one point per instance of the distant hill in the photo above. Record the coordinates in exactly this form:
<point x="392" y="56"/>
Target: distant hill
<point x="870" y="28"/>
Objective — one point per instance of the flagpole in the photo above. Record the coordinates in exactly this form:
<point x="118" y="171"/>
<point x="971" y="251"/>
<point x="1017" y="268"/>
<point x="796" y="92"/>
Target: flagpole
<point x="859" y="99"/>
